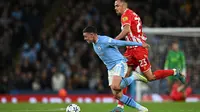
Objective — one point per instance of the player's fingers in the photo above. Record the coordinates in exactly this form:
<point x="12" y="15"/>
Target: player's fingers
<point x="147" y="46"/>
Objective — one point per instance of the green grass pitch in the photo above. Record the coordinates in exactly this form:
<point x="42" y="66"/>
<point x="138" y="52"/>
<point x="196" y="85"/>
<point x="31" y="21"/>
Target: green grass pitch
<point x="93" y="107"/>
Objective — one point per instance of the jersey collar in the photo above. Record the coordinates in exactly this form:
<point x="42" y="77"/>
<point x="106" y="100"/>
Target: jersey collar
<point x="125" y="10"/>
<point x="97" y="40"/>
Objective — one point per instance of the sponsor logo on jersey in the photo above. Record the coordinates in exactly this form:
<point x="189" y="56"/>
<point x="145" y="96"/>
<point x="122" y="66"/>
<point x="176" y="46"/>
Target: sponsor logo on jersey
<point x="124" y="19"/>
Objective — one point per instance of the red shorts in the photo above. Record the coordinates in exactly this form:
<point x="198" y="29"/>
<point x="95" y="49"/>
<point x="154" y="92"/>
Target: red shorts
<point x="138" y="56"/>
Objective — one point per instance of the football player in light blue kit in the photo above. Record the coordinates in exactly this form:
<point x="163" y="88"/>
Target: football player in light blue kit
<point x="106" y="48"/>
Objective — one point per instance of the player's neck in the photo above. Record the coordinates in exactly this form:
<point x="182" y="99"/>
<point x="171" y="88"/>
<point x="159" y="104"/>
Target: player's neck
<point x="95" y="38"/>
<point x="125" y="10"/>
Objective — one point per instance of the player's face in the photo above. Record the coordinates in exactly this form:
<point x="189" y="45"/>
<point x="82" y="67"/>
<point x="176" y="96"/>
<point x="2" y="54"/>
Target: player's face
<point x="89" y="37"/>
<point x="175" y="46"/>
<point x="118" y="7"/>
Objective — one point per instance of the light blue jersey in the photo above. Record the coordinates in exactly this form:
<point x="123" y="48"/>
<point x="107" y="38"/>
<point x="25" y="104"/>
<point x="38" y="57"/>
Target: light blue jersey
<point x="106" y="49"/>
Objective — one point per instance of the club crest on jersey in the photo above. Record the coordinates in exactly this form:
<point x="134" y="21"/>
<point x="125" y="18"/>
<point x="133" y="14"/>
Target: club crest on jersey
<point x="99" y="48"/>
<point x="124" y="19"/>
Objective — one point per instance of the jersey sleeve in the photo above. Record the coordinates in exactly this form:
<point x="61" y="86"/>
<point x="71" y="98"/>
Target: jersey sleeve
<point x="113" y="42"/>
<point x="126" y="19"/>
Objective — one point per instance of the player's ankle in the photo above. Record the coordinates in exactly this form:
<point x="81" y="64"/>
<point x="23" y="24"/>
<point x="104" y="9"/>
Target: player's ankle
<point x="174" y="71"/>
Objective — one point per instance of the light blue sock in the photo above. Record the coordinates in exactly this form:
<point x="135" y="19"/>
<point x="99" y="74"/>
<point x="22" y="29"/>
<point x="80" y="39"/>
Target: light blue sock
<point x="126" y="81"/>
<point x="130" y="102"/>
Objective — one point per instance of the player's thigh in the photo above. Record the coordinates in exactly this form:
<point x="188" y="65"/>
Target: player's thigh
<point x="132" y="63"/>
<point x="141" y="57"/>
<point x="144" y="64"/>
<point x="116" y="80"/>
<point x="118" y="70"/>
<point x="129" y="56"/>
<point x="130" y="68"/>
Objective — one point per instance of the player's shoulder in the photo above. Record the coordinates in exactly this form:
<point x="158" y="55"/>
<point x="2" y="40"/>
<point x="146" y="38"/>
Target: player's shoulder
<point x="103" y="38"/>
<point x="130" y="12"/>
<point x="127" y="12"/>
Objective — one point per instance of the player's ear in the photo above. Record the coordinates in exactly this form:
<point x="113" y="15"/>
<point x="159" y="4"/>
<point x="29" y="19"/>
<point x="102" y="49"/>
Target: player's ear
<point x="92" y="34"/>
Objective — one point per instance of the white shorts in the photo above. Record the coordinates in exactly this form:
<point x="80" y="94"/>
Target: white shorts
<point x="118" y="70"/>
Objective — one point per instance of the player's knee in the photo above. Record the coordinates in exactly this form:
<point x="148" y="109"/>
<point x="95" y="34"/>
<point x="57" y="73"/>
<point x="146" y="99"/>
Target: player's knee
<point x="116" y="83"/>
<point x="118" y="95"/>
<point x="115" y="87"/>
<point x="150" y="78"/>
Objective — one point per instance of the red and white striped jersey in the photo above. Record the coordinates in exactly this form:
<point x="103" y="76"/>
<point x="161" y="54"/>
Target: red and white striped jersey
<point x="131" y="18"/>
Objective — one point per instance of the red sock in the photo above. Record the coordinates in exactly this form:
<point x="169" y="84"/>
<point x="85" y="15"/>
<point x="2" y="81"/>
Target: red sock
<point x="160" y="74"/>
<point x="124" y="92"/>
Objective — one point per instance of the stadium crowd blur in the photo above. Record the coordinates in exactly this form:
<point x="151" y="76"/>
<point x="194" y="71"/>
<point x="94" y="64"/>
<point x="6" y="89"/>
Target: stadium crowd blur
<point x="54" y="57"/>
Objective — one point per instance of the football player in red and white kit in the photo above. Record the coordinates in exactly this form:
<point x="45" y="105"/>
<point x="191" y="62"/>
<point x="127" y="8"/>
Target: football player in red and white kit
<point x="136" y="55"/>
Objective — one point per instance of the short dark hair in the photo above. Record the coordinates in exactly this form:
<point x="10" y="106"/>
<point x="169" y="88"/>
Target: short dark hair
<point x="90" y="29"/>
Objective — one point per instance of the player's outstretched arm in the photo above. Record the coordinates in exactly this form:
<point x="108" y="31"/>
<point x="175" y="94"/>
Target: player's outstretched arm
<point x="114" y="42"/>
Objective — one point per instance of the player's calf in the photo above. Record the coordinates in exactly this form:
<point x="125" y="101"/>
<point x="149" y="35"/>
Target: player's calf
<point x="159" y="74"/>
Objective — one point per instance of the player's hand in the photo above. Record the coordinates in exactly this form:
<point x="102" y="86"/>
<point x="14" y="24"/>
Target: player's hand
<point x="145" y="45"/>
<point x="116" y="38"/>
